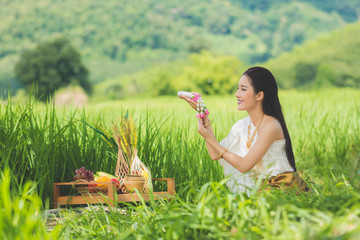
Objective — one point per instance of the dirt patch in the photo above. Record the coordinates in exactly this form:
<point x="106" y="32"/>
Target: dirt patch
<point x="71" y="96"/>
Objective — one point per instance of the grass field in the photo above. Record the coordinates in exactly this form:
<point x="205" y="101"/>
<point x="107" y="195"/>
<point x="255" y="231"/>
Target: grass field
<point x="44" y="144"/>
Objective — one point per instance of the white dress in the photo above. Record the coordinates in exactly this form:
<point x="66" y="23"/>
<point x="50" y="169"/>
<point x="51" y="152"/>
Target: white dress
<point x="273" y="162"/>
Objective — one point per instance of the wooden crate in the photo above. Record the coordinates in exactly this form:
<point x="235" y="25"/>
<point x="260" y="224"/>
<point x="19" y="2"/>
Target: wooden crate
<point x="110" y="194"/>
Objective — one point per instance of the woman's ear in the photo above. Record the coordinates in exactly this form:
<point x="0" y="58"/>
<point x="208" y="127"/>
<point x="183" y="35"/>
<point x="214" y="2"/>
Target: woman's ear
<point x="260" y="96"/>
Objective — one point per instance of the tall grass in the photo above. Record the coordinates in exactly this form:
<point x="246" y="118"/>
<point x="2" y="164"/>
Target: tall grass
<point x="46" y="144"/>
<point x="216" y="213"/>
<point x="21" y="211"/>
<point x="39" y="145"/>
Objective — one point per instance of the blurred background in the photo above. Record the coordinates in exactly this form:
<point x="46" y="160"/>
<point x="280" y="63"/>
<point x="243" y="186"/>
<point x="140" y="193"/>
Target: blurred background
<point x="89" y="50"/>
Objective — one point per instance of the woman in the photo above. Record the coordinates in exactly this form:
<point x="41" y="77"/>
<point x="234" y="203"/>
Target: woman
<point x="258" y="145"/>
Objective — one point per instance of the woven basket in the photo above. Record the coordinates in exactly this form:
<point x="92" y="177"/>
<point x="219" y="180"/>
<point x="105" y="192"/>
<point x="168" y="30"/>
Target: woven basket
<point x="122" y="170"/>
<point x="134" y="181"/>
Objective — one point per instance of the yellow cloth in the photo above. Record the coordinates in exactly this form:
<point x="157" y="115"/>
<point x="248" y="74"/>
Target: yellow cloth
<point x="285" y="181"/>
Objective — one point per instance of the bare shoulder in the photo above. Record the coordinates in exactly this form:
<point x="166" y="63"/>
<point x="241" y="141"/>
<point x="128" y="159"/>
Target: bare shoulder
<point x="272" y="126"/>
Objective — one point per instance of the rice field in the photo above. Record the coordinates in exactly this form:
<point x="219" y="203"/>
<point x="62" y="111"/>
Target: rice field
<point x="44" y="144"/>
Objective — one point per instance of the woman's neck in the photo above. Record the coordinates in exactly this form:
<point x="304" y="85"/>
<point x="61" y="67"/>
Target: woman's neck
<point x="256" y="115"/>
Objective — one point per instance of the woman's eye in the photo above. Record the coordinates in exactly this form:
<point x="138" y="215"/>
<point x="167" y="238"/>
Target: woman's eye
<point x="243" y="89"/>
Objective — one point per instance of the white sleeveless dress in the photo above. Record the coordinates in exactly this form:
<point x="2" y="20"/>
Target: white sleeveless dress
<point x="273" y="162"/>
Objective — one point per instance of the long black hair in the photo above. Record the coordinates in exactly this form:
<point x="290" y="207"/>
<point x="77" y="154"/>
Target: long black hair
<point x="263" y="80"/>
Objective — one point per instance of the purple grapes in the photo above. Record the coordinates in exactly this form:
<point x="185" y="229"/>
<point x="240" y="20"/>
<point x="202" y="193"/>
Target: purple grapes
<point x="82" y="173"/>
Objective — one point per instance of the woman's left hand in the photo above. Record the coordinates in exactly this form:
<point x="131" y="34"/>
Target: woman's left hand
<point x="205" y="133"/>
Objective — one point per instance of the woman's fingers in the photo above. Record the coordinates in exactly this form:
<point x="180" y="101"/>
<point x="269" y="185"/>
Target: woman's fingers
<point x="201" y="127"/>
<point x="192" y="104"/>
<point x="189" y="101"/>
<point x="202" y="130"/>
<point x="200" y="122"/>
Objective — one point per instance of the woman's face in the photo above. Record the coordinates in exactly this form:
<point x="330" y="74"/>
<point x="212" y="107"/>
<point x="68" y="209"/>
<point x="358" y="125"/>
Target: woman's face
<point x="245" y="95"/>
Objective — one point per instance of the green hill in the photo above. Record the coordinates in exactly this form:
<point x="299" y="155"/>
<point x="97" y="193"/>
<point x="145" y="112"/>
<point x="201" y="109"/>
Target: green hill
<point x="330" y="60"/>
<point x="122" y="37"/>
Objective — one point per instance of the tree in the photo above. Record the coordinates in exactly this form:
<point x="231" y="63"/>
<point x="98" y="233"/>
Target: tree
<point x="50" y="66"/>
<point x="211" y="74"/>
<point x="305" y="74"/>
<point x="198" y="44"/>
<point x="325" y="76"/>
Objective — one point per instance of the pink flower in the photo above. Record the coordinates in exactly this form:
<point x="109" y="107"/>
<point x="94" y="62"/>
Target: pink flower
<point x="207" y="112"/>
<point x="196" y="96"/>
<point x="198" y="115"/>
<point x="202" y="115"/>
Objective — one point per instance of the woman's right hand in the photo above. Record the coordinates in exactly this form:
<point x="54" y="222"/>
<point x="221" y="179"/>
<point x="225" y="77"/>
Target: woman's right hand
<point x="191" y="102"/>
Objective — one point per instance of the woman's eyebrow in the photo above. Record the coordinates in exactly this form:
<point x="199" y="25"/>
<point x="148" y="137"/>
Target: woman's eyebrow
<point x="243" y="86"/>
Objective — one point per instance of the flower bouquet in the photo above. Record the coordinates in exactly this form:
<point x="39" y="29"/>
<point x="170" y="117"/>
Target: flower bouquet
<point x="201" y="108"/>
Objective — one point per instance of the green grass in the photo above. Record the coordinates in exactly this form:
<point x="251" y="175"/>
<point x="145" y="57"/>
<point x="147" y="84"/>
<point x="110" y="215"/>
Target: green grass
<point x="45" y="144"/>
<point x="21" y="211"/>
<point x="215" y="213"/>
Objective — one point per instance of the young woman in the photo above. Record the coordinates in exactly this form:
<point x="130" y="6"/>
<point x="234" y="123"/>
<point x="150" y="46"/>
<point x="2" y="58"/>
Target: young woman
<point x="258" y="145"/>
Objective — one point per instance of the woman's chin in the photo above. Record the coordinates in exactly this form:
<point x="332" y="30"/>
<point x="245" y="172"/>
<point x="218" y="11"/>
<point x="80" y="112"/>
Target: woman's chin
<point x="240" y="108"/>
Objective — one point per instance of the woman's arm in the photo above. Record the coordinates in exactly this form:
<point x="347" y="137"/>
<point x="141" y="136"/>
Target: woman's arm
<point x="206" y="124"/>
<point x="212" y="151"/>
<point x="269" y="133"/>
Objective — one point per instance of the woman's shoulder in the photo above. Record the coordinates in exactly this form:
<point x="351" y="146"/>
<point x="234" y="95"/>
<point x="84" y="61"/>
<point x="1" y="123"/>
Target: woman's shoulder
<point x="272" y="125"/>
<point x="271" y="121"/>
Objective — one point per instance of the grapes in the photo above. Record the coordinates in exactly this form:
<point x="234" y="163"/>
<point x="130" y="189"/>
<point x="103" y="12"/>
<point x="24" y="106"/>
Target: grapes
<point x="81" y="173"/>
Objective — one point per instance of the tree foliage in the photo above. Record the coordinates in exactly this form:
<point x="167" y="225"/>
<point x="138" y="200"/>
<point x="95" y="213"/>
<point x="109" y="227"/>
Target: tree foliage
<point x="202" y="72"/>
<point x="210" y="74"/>
<point x="327" y="62"/>
<point x="305" y="74"/>
<point x="50" y="66"/>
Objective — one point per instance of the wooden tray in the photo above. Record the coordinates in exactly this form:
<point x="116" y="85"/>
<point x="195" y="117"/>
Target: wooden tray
<point x="105" y="196"/>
